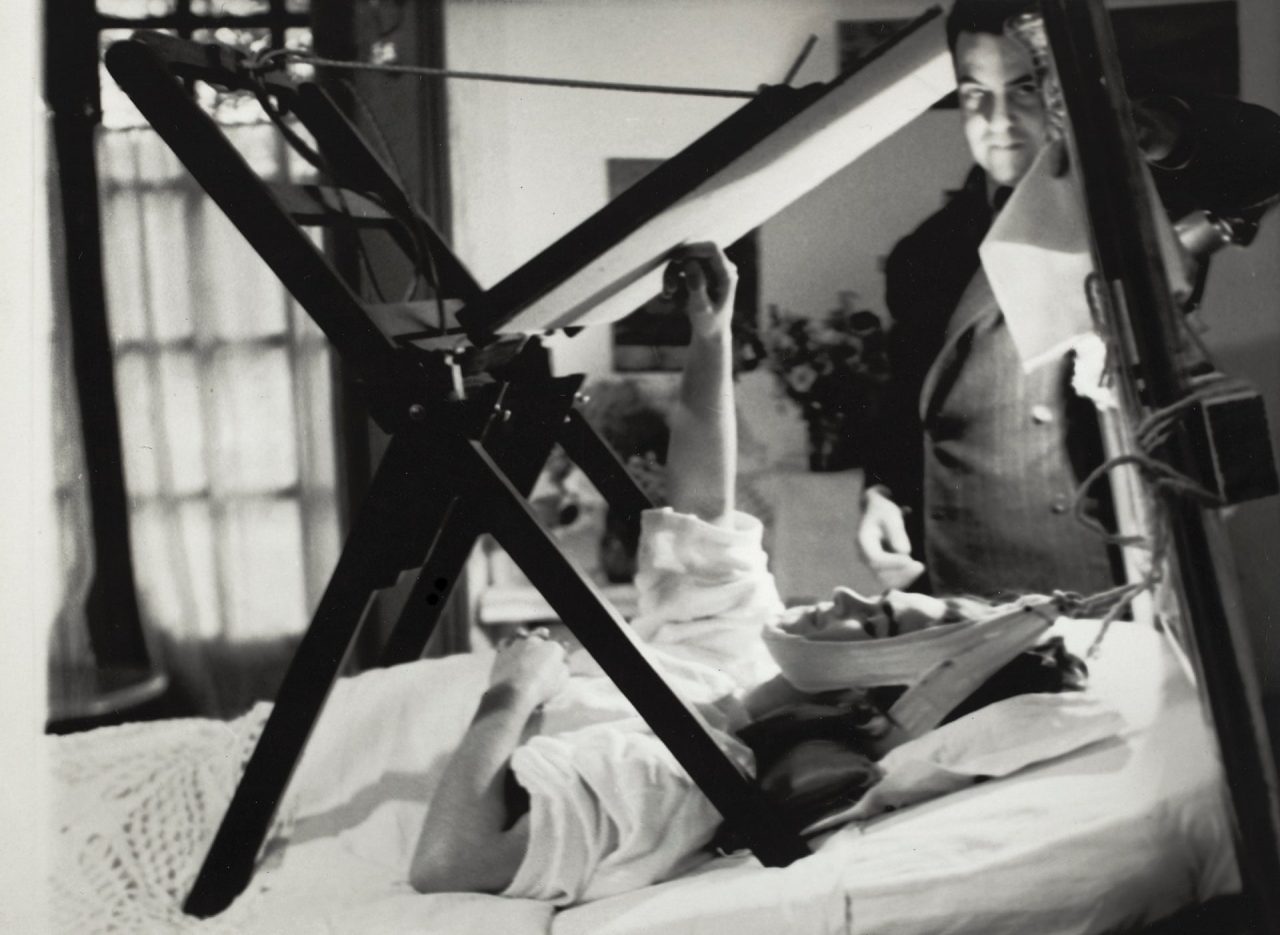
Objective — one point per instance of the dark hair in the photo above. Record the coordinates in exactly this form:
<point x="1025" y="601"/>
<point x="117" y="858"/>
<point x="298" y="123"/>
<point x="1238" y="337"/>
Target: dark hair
<point x="987" y="16"/>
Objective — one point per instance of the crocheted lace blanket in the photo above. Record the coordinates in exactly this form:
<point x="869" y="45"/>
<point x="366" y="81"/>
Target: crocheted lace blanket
<point x="134" y="809"/>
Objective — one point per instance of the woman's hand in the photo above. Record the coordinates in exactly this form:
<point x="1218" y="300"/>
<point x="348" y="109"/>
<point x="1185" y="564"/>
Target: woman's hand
<point x="704" y="282"/>
<point x="532" y="665"/>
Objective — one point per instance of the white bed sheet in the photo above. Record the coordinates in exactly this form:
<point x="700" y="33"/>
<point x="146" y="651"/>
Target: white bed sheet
<point x="1122" y="832"/>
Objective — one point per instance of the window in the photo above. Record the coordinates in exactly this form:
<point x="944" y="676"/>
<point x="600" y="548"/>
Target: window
<point x="222" y="383"/>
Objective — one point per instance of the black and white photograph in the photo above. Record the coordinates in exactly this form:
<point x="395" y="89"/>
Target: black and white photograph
<point x="560" y="467"/>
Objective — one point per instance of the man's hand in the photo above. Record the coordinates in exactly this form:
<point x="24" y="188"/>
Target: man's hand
<point x="702" y="280"/>
<point x="532" y="665"/>
<point x="882" y="537"/>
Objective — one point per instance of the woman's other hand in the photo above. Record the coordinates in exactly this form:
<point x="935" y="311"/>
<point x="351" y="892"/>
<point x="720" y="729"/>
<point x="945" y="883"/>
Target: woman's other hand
<point x="533" y="665"/>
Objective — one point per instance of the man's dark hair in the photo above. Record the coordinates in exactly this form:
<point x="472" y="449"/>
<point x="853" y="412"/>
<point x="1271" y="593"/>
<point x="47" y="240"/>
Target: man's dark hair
<point x="987" y="16"/>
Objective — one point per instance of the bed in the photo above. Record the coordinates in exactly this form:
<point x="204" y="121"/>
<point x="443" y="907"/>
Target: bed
<point x="1117" y="833"/>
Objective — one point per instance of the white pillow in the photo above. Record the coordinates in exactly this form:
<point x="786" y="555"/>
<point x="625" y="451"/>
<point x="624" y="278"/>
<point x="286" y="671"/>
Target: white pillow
<point x="996" y="740"/>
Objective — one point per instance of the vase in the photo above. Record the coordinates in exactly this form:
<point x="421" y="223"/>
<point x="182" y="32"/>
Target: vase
<point x="833" y="441"/>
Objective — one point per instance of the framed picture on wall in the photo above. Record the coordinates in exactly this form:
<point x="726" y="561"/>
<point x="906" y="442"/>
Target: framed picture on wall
<point x="653" y="337"/>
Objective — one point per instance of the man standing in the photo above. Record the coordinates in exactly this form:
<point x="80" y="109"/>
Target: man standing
<point x="987" y="500"/>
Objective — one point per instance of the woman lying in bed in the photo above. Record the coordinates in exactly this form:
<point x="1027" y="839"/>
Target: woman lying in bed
<point x="559" y="792"/>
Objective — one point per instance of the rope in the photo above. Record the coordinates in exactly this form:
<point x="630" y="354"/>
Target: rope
<point x="270" y="61"/>
<point x="1119" y="599"/>
<point x="1165" y="478"/>
<point x="1154" y="430"/>
<point x="423" y="260"/>
<point x="1112" y="602"/>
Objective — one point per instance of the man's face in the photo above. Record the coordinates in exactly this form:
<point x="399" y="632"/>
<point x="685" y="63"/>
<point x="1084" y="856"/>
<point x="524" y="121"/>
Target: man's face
<point x="1005" y="122"/>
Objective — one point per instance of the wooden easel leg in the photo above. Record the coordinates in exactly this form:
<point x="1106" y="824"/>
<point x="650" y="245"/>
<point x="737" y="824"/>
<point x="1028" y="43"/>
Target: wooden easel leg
<point x="435" y="582"/>
<point x="520" y="440"/>
<point x="600" y="463"/>
<point x="369" y="561"/>
<point x="606" y="636"/>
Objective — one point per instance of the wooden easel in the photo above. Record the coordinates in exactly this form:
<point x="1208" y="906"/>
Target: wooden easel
<point x="459" y="464"/>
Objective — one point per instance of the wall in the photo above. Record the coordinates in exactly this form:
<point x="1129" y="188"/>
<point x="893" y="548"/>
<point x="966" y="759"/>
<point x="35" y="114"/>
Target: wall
<point x="29" y="588"/>
<point x="528" y="163"/>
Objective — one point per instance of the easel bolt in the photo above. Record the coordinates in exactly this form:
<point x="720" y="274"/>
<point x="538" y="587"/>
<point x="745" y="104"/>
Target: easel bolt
<point x="417" y="412"/>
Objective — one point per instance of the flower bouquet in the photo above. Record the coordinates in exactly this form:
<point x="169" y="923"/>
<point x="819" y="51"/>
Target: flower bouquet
<point x="835" y="368"/>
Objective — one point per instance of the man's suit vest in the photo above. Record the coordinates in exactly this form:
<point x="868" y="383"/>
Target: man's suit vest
<point x="985" y="457"/>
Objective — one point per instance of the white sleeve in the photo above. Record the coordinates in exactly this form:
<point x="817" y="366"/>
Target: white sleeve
<point x="705" y="592"/>
<point x="689" y="569"/>
<point x="610" y="811"/>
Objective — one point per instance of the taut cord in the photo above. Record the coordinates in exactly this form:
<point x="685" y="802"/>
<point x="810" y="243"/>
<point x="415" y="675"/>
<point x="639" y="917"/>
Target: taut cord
<point x="268" y="62"/>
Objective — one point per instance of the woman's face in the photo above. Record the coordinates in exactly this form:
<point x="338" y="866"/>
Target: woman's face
<point x="849" y="616"/>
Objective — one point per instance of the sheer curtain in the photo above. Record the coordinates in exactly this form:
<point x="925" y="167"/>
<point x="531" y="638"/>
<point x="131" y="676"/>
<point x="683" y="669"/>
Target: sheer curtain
<point x="226" y="420"/>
